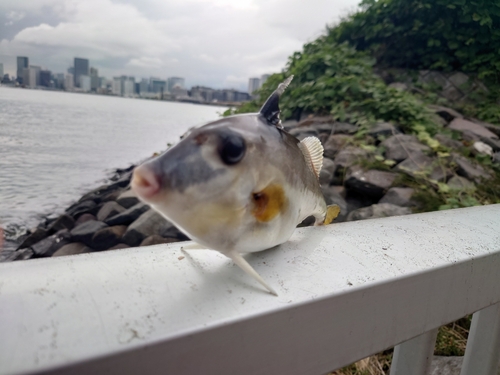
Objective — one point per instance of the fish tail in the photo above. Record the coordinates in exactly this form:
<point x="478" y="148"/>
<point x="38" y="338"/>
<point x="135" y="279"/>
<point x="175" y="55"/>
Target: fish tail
<point x="332" y="212"/>
<point x="243" y="264"/>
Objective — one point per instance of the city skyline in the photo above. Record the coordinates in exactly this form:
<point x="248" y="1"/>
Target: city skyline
<point x="217" y="43"/>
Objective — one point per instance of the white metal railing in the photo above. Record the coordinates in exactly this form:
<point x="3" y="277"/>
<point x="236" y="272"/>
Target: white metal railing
<point x="346" y="291"/>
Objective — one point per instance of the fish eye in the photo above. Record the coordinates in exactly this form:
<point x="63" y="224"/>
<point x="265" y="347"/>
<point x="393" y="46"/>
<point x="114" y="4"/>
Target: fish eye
<point x="232" y="148"/>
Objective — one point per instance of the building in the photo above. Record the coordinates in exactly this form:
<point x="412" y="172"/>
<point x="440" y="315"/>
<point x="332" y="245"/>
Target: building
<point x="158" y="85"/>
<point x="45" y="78"/>
<point x="94" y="79"/>
<point x="69" y="82"/>
<point x="128" y="86"/>
<point x="253" y="85"/>
<point x="263" y="79"/>
<point x="71" y="70"/>
<point x="1" y="70"/>
<point x="85" y="83"/>
<point x="143" y="86"/>
<point x="37" y="70"/>
<point x="203" y="94"/>
<point x="22" y="63"/>
<point x="59" y="81"/>
<point x="116" y="86"/>
<point x="81" y="69"/>
<point x="29" y="77"/>
<point x="173" y="82"/>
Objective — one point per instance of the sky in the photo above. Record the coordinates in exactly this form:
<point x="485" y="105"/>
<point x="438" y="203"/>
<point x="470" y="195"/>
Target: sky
<point x="216" y="43"/>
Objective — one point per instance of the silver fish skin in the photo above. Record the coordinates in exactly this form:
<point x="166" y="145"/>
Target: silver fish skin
<point x="237" y="185"/>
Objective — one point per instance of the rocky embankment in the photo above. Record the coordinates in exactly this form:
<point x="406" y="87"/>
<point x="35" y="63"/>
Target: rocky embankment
<point x="364" y="175"/>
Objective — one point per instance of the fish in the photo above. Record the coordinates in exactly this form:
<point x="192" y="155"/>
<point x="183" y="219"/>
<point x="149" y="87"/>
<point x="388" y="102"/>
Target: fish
<point x="240" y="184"/>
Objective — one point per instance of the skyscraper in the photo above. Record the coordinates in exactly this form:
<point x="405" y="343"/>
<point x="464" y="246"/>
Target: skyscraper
<point x="45" y="78"/>
<point x="263" y="78"/>
<point x="94" y="79"/>
<point x="22" y="63"/>
<point x="253" y="85"/>
<point x="174" y="81"/>
<point x="81" y="69"/>
<point x="1" y="71"/>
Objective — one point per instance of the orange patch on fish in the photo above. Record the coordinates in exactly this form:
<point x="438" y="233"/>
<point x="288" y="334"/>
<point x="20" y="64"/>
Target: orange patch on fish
<point x="268" y="203"/>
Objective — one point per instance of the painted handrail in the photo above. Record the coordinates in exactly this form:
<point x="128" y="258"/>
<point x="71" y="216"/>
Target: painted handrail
<point x="346" y="291"/>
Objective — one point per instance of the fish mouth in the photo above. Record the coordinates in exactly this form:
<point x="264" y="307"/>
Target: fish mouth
<point x="145" y="182"/>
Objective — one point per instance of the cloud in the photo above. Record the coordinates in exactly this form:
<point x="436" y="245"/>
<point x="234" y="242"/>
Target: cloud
<point x="210" y="42"/>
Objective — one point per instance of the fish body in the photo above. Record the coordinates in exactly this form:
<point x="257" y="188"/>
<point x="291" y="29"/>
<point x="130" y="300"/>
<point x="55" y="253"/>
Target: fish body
<point x="240" y="184"/>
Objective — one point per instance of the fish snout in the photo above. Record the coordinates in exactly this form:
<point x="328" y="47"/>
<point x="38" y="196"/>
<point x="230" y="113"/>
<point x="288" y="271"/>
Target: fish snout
<point x="145" y="182"/>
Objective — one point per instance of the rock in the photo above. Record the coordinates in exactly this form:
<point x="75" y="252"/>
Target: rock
<point x="85" y="232"/>
<point x="333" y="197"/>
<point x="108" y="237"/>
<point x="119" y="246"/>
<point x="37" y="235"/>
<point x="62" y="222"/>
<point x="400" y="146"/>
<point x="460" y="183"/>
<point x="109" y="209"/>
<point x="304" y="131"/>
<point x="462" y="125"/>
<point x="21" y="254"/>
<point x="334" y="144"/>
<point x="349" y="156"/>
<point x="289" y="124"/>
<point x="80" y="208"/>
<point x="173" y="232"/>
<point x="378" y="210"/>
<point x="419" y="163"/>
<point x="72" y="249"/>
<point x="129" y="215"/>
<point x="344" y="128"/>
<point x="84" y="218"/>
<point x="496" y="157"/>
<point x="372" y="182"/>
<point x="48" y="246"/>
<point x="491" y="127"/>
<point x="447" y="113"/>
<point x="312" y="120"/>
<point x="383" y="129"/>
<point x="127" y="199"/>
<point x="483" y="148"/>
<point x="156" y="239"/>
<point x="149" y="223"/>
<point x="445" y="365"/>
<point x="400" y="86"/>
<point x="448" y="142"/>
<point x="399" y="196"/>
<point x="493" y="143"/>
<point x="468" y="170"/>
<point x="339" y="189"/>
<point x="326" y="173"/>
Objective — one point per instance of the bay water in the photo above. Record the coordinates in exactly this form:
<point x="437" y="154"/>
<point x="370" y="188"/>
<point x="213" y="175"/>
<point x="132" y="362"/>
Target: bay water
<point x="55" y="146"/>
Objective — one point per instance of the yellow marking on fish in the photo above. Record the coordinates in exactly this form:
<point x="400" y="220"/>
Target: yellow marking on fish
<point x="269" y="203"/>
<point x="331" y="213"/>
<point x="214" y="216"/>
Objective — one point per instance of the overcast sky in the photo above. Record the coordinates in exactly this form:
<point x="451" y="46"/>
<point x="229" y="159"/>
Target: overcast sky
<point x="218" y="43"/>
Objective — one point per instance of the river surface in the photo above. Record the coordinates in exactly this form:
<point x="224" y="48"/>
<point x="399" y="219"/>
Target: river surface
<point x="55" y="146"/>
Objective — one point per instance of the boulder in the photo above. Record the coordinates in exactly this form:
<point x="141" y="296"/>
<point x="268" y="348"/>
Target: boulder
<point x="21" y="254"/>
<point x="81" y="208"/>
<point x="448" y="142"/>
<point x="129" y="215"/>
<point x="445" y="365"/>
<point x="37" y="235"/>
<point x="378" y="210"/>
<point x="156" y="239"/>
<point x="109" y="209"/>
<point x="419" y="163"/>
<point x="468" y="170"/>
<point x="62" y="222"/>
<point x="400" y="146"/>
<point x="313" y="120"/>
<point x="400" y="86"/>
<point x="173" y="232"/>
<point x="483" y="148"/>
<point x="349" y="156"/>
<point x="462" y="125"/>
<point x="372" y="182"/>
<point x="127" y="199"/>
<point x="491" y="127"/>
<point x="84" y="218"/>
<point x="48" y="246"/>
<point x="108" y="237"/>
<point x="343" y="128"/>
<point x="383" y="129"/>
<point x="496" y="157"/>
<point x="149" y="223"/>
<point x="333" y="197"/>
<point x="447" y="113"/>
<point x="460" y="183"/>
<point x="493" y="143"/>
<point x="334" y="144"/>
<point x="399" y="196"/>
<point x="119" y="246"/>
<point x="304" y="132"/>
<point x="72" y="249"/>
<point x="289" y="124"/>
<point x="85" y="232"/>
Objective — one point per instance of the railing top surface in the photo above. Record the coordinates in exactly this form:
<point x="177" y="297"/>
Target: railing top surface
<point x="69" y="309"/>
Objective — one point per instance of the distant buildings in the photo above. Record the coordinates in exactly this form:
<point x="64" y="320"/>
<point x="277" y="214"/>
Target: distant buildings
<point x="69" y="82"/>
<point x="45" y="78"/>
<point x="253" y="85"/>
<point x="174" y="82"/>
<point x="22" y="63"/>
<point x="1" y="70"/>
<point x="85" y="83"/>
<point x="81" y="67"/>
<point x="94" y="79"/>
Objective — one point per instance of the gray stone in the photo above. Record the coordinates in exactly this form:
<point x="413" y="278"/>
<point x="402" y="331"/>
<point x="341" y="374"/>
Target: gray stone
<point x="458" y="79"/>
<point x="448" y="142"/>
<point x="447" y="113"/>
<point x="491" y="127"/>
<point x="127" y="199"/>
<point x="84" y="218"/>
<point x="312" y="120"/>
<point x="452" y="93"/>
<point x="493" y="143"/>
<point x="334" y="144"/>
<point x="109" y="209"/>
<point x="149" y="223"/>
<point x="399" y="196"/>
<point x="80" y="208"/>
<point x="333" y="197"/>
<point x="321" y="128"/>
<point x="37" y="235"/>
<point x="468" y="170"/>
<point x="21" y="254"/>
<point x="119" y="246"/>
<point x="325" y="176"/>
<point x="372" y="182"/>
<point x="49" y="245"/>
<point x="400" y="146"/>
<point x="72" y="249"/>
<point x="483" y="148"/>
<point x="344" y="128"/>
<point x="62" y="222"/>
<point x="289" y="124"/>
<point x="108" y="237"/>
<point x="173" y="232"/>
<point x="129" y="215"/>
<point x="349" y="156"/>
<point x="383" y="129"/>
<point x="304" y="131"/>
<point x="400" y="86"/>
<point x="460" y="183"/>
<point x="419" y="163"/>
<point x="445" y="365"/>
<point x="462" y="125"/>
<point x="156" y="239"/>
<point x="85" y="232"/>
<point x="496" y="157"/>
<point x="378" y="210"/>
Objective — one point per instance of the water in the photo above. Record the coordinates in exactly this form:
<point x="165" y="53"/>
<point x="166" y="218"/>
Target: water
<point x="54" y="146"/>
